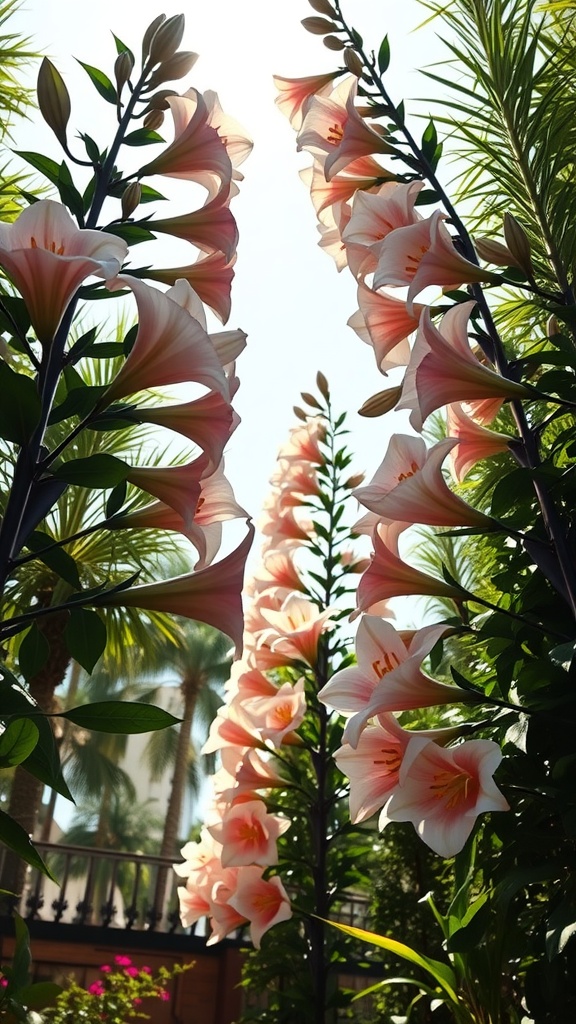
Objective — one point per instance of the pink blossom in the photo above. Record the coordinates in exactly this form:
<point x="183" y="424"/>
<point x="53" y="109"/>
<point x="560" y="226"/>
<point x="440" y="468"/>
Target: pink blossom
<point x="163" y="995"/>
<point x="208" y="421"/>
<point x="248" y="834"/>
<point x="132" y="972"/>
<point x="443" y="368"/>
<point x="443" y="791"/>
<point x="197" y="150"/>
<point x="365" y="174"/>
<point x="211" y="595"/>
<point x="389" y="576"/>
<point x="409" y="486"/>
<point x="474" y="442"/>
<point x="47" y="257"/>
<point x="122" y="961"/>
<point x="210" y="276"/>
<point x="297" y="628"/>
<point x="211" y="228"/>
<point x="105" y="968"/>
<point x="385" y="323"/>
<point x="423" y="254"/>
<point x="96" y="988"/>
<point x="295" y="94"/>
<point x="278" y="714"/>
<point x="333" y="129"/>
<point x="170" y="347"/>
<point x="263" y="903"/>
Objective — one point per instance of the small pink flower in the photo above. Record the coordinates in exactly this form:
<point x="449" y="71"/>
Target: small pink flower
<point x="105" y="968"/>
<point x="3" y="982"/>
<point x="96" y="988"/>
<point x="163" y="995"/>
<point x="146" y="969"/>
<point x="122" y="961"/>
<point x="132" y="972"/>
<point x="137" y="1001"/>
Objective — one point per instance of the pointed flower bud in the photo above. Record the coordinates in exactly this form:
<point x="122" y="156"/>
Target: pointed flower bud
<point x="333" y="43"/>
<point x="123" y="66"/>
<point x="518" y="243"/>
<point x="131" y="198"/>
<point x="176" y="67"/>
<point x="159" y="101"/>
<point x="300" y="413"/>
<point x="53" y="99"/>
<point x="354" y="481"/>
<point x="154" y="120"/>
<point x="310" y="400"/>
<point x="322" y="385"/>
<point x="166" y="39"/>
<point x="353" y="62"/>
<point x="319" y="26"/>
<point x="149" y="35"/>
<point x="492" y="251"/>
<point x="323" y="7"/>
<point x="381" y="403"/>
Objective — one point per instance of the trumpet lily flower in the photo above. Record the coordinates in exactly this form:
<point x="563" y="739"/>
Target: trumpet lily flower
<point x="170" y="347"/>
<point x="295" y="94"/>
<point x="208" y="421"/>
<point x="385" y="323"/>
<point x="211" y="277"/>
<point x="443" y="791"/>
<point x="409" y="486"/>
<point x="211" y="595"/>
<point x="263" y="903"/>
<point x="197" y="148"/>
<point x="248" y="834"/>
<point x="474" y="441"/>
<point x="47" y="256"/>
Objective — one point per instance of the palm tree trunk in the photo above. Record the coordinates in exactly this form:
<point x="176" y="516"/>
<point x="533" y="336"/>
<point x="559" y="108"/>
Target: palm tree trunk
<point x="174" y="810"/>
<point x="26" y="791"/>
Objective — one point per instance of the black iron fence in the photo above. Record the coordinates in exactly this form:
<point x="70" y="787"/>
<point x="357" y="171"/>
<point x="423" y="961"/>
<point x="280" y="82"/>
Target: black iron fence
<point x="133" y="892"/>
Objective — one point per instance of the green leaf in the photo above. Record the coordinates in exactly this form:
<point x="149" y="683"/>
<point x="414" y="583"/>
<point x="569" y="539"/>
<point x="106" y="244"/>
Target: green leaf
<point x="120" y="717"/>
<point x="78" y="402"/>
<point x="48" y="167"/>
<point x="142" y="137"/>
<point x="150" y="195"/>
<point x="131" y="233"/>
<point x="91" y="146"/>
<point x="22" y="959"/>
<point x="20" y="406"/>
<point x="85" y="636"/>
<point x="116" y="499"/>
<point x="95" y="471"/>
<point x="69" y="194"/>
<point x="442" y="974"/>
<point x="384" y="56"/>
<point x="429" y="140"/>
<point x="33" y="652"/>
<point x="122" y="48"/>
<point x="16" y="838"/>
<point x="39" y="995"/>
<point x="42" y="545"/>
<point x="101" y="82"/>
<point x="17" y="742"/>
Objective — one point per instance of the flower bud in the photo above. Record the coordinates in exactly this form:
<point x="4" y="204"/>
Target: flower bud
<point x="176" y="67"/>
<point x="492" y="251"/>
<point x="300" y="413"/>
<point x="322" y="385"/>
<point x="319" y="26"/>
<point x="154" y="119"/>
<point x="166" y="39"/>
<point x="310" y="400"/>
<point x="353" y="62"/>
<point x="131" y="197"/>
<point x="518" y="243"/>
<point x="159" y="101"/>
<point x="148" y="35"/>
<point x="323" y="7"/>
<point x="381" y="403"/>
<point x="354" y="481"/>
<point x="53" y="100"/>
<point x="123" y="69"/>
<point x="552" y="327"/>
<point x="333" y="43"/>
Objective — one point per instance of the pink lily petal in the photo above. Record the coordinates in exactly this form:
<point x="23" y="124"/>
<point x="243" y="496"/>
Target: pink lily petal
<point x="474" y="442"/>
<point x="170" y="347"/>
<point x="263" y="903"/>
<point x="196" y="148"/>
<point x="48" y="257"/>
<point x="248" y="834"/>
<point x="385" y="323"/>
<point x="212" y="228"/>
<point x="211" y="595"/>
<point x="442" y="792"/>
<point x="208" y="421"/>
<point x="295" y="94"/>
<point x="409" y="486"/>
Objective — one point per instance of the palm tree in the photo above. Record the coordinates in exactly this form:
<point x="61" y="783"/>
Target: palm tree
<point x="201" y="662"/>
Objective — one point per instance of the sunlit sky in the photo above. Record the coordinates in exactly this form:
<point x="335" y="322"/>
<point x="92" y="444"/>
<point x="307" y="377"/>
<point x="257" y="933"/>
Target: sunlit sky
<point x="287" y="294"/>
